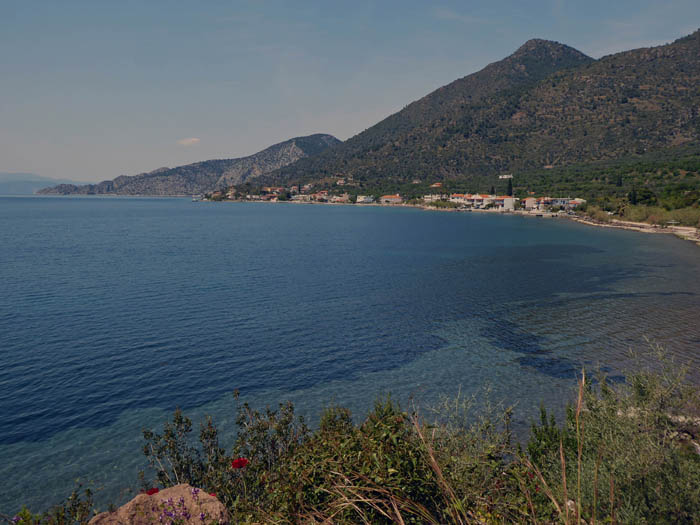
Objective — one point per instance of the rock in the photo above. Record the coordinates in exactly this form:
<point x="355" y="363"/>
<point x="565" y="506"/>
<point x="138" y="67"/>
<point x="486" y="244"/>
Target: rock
<point x="181" y="504"/>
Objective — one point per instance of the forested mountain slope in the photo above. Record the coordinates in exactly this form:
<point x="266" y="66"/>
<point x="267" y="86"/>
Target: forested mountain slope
<point x="545" y="105"/>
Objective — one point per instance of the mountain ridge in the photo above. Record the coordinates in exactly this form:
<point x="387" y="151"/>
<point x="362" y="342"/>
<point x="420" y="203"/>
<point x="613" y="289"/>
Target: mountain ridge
<point x="546" y="104"/>
<point x="203" y="176"/>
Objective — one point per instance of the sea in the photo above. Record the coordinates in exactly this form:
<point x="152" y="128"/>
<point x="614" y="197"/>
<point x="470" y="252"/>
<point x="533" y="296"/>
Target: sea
<point x="115" y="311"/>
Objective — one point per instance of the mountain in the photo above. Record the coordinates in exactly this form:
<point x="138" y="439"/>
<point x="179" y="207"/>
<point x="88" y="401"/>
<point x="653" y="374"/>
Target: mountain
<point x="205" y="176"/>
<point x="545" y="105"/>
<point x="25" y="183"/>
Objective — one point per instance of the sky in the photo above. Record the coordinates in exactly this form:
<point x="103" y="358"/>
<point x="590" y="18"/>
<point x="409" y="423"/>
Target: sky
<point x="90" y="90"/>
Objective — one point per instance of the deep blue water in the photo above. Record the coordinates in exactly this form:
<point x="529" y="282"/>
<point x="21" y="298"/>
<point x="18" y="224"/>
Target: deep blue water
<point x="113" y="311"/>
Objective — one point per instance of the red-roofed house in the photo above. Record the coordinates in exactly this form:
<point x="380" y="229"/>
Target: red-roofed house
<point x="391" y="199"/>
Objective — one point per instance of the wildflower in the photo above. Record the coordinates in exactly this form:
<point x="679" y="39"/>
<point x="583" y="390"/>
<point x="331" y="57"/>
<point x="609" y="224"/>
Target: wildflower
<point x="212" y="494"/>
<point x="152" y="491"/>
<point x="239" y="463"/>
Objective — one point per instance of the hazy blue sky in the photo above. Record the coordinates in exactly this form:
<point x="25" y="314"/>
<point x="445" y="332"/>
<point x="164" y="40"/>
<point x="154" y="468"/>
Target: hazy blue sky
<point x="91" y="90"/>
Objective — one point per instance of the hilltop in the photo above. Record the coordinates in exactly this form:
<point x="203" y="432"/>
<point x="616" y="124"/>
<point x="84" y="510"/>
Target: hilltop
<point x="204" y="176"/>
<point x="545" y="106"/>
<point x="26" y="183"/>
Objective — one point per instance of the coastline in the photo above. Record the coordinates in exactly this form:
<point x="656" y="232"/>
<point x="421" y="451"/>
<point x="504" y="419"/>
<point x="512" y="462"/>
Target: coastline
<point x="687" y="233"/>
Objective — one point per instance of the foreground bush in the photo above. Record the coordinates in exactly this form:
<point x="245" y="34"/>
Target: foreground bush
<point x="626" y="453"/>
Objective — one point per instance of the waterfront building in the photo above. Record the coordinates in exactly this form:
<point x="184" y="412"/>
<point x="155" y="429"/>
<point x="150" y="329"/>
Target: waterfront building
<point x="364" y="199"/>
<point x="434" y="197"/>
<point x="391" y="199"/>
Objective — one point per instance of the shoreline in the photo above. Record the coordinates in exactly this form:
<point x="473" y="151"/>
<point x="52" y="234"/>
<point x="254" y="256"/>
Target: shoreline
<point x="687" y="233"/>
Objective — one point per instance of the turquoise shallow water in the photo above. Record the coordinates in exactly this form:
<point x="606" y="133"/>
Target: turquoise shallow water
<point x="115" y="311"/>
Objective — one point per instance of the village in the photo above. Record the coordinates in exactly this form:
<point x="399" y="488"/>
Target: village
<point x="436" y="199"/>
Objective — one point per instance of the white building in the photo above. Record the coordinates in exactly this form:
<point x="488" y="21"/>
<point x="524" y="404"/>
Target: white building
<point x="434" y="197"/>
<point x="508" y="203"/>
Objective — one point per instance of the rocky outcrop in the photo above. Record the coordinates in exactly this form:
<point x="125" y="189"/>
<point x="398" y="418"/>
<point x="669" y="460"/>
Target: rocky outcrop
<point x="181" y="504"/>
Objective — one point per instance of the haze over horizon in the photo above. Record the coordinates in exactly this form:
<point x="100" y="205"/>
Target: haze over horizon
<point x="92" y="91"/>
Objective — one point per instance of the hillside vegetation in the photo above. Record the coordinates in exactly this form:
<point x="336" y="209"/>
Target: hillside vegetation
<point x="545" y="106"/>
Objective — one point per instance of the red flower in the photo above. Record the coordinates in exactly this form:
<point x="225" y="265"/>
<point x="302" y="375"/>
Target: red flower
<point x="212" y="494"/>
<point x="239" y="463"/>
<point x="152" y="491"/>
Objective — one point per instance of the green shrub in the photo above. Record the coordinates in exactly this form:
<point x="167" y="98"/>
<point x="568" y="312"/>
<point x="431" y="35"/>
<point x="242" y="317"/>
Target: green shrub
<point x="597" y="214"/>
<point x="353" y="472"/>
<point x="625" y="453"/>
<point x="77" y="509"/>
<point x="443" y="204"/>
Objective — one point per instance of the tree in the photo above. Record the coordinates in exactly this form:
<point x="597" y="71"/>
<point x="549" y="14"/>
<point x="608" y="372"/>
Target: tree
<point x="493" y="190"/>
<point x="632" y="197"/>
<point x="509" y="191"/>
